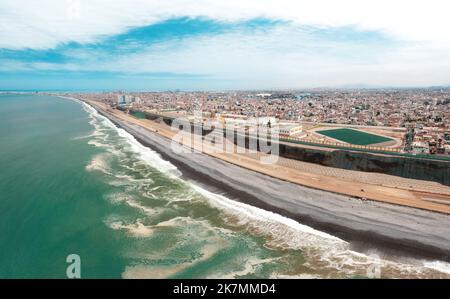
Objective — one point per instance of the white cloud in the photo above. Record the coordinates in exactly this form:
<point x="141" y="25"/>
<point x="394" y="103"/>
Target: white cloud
<point x="46" y="23"/>
<point x="283" y="56"/>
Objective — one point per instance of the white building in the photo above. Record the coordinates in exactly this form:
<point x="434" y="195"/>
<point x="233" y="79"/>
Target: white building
<point x="126" y="100"/>
<point x="290" y="130"/>
<point x="419" y="147"/>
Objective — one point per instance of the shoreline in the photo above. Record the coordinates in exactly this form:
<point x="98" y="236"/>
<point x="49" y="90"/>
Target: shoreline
<point x="403" y="231"/>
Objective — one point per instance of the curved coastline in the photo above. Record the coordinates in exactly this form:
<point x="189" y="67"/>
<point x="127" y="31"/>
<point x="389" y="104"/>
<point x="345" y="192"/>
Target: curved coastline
<point x="389" y="229"/>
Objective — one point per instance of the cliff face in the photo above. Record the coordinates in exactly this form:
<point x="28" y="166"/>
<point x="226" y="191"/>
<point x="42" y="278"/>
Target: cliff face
<point x="414" y="168"/>
<point x="407" y="167"/>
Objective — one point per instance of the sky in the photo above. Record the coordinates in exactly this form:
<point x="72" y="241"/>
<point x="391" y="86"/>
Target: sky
<point x="222" y="44"/>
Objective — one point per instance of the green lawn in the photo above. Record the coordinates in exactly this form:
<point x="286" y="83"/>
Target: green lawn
<point x="138" y="114"/>
<point x="354" y="136"/>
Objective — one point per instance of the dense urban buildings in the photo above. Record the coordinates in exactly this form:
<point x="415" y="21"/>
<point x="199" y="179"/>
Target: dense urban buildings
<point x="417" y="120"/>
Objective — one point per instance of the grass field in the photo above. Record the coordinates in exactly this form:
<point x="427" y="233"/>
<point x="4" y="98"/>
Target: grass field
<point x="354" y="136"/>
<point x="138" y="114"/>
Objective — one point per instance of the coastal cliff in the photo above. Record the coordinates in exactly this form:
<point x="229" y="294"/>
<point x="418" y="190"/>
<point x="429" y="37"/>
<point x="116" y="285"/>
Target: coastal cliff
<point x="413" y="168"/>
<point x="407" y="167"/>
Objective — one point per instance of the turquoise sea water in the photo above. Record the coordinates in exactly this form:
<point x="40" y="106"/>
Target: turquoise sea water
<point x="72" y="183"/>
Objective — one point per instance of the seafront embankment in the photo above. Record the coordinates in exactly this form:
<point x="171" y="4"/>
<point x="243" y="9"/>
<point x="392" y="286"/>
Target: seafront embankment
<point x="398" y="165"/>
<point x="402" y="166"/>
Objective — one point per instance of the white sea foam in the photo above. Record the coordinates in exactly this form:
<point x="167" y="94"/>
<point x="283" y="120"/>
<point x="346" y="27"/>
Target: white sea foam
<point x="151" y="157"/>
<point x="250" y="266"/>
<point x="182" y="222"/>
<point x="116" y="198"/>
<point x="136" y="229"/>
<point x="99" y="163"/>
<point x="97" y="143"/>
<point x="145" y="209"/>
<point x="95" y="133"/>
<point x="208" y="246"/>
<point x="326" y="250"/>
<point x="165" y="271"/>
<point x="200" y="229"/>
<point x="254" y="213"/>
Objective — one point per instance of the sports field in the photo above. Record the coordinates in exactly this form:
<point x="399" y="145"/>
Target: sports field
<point x="353" y="136"/>
<point x="138" y="114"/>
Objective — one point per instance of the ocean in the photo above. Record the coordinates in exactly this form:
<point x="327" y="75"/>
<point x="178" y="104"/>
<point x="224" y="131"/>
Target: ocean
<point x="71" y="182"/>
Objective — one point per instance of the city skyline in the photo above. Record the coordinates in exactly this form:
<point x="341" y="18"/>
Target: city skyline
<point x="222" y="45"/>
